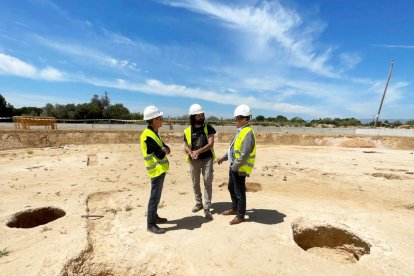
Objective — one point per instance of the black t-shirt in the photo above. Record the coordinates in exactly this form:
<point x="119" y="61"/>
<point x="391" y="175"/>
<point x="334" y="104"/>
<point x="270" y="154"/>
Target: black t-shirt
<point x="199" y="140"/>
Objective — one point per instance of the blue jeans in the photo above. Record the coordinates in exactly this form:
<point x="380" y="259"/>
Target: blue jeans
<point x="156" y="190"/>
<point x="237" y="189"/>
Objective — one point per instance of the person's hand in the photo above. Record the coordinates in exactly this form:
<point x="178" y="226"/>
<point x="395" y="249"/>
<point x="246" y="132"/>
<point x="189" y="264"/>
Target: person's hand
<point x="166" y="150"/>
<point x="221" y="160"/>
<point x="192" y="155"/>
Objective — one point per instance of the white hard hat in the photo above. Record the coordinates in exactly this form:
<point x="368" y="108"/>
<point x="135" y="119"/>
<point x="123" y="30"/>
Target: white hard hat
<point x="151" y="112"/>
<point x="242" y="110"/>
<point x="195" y="109"/>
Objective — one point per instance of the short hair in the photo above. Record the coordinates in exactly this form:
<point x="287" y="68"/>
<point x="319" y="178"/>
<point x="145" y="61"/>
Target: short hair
<point x="149" y="122"/>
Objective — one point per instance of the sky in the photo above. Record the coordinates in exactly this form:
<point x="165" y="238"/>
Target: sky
<point x="312" y="59"/>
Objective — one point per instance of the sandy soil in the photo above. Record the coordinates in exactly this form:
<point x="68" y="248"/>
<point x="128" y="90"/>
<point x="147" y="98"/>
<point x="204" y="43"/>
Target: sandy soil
<point x="349" y="203"/>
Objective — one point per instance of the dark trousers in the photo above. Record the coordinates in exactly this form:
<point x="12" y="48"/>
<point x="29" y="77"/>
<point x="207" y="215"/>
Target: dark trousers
<point x="156" y="190"/>
<point x="237" y="189"/>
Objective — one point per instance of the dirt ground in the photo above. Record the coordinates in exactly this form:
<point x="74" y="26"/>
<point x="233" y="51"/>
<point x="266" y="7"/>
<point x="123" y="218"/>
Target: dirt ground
<point x="316" y="206"/>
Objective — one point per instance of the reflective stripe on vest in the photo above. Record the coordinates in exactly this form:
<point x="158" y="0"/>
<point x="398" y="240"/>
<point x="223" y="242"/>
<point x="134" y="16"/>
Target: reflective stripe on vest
<point x="248" y="167"/>
<point x="153" y="164"/>
<point x="187" y="133"/>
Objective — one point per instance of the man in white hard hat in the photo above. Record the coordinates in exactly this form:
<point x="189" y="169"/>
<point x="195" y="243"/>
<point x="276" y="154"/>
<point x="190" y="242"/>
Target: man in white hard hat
<point x="242" y="156"/>
<point x="198" y="145"/>
<point x="155" y="153"/>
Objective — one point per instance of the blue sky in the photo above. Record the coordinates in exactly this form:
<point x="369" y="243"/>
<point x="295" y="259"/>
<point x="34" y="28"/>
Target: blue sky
<point x="312" y="59"/>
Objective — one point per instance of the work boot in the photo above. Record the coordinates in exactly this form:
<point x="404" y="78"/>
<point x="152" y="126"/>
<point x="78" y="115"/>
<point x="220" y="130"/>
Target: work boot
<point x="155" y="229"/>
<point x="197" y="208"/>
<point x="207" y="214"/>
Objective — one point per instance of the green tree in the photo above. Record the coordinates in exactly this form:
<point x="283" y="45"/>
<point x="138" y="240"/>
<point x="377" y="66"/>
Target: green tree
<point x="297" y="121"/>
<point x="94" y="111"/>
<point x="396" y="123"/>
<point x="117" y="111"/>
<point x="136" y="116"/>
<point x="281" y="119"/>
<point x="213" y="119"/>
<point x="81" y="111"/>
<point x="260" y="118"/>
<point x="27" y="111"/>
<point x="48" y="110"/>
<point x="70" y="111"/>
<point x="6" y="109"/>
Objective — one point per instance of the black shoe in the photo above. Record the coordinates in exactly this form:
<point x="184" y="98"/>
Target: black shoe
<point x="159" y="220"/>
<point x="197" y="208"/>
<point x="207" y="214"/>
<point x="155" y="229"/>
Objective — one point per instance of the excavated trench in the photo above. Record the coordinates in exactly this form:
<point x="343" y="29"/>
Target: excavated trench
<point x="35" y="217"/>
<point x="330" y="242"/>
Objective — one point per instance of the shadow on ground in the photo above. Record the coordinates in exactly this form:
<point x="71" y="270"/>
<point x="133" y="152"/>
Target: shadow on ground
<point x="264" y="216"/>
<point x="220" y="207"/>
<point x="189" y="223"/>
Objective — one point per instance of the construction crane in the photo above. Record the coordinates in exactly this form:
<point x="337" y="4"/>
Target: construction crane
<point x="383" y="95"/>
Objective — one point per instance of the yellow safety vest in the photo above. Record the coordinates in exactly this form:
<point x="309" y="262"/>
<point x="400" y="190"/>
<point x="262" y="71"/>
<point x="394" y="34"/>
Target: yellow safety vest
<point x="154" y="165"/>
<point x="248" y="167"/>
<point x="187" y="133"/>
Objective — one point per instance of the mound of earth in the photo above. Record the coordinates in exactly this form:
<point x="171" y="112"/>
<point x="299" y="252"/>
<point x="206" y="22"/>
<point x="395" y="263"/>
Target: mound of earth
<point x="15" y="139"/>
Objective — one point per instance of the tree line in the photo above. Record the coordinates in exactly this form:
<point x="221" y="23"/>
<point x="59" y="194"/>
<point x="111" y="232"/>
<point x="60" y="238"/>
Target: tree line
<point x="97" y="108"/>
<point x="100" y="107"/>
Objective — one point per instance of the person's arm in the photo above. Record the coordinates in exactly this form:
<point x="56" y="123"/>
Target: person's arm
<point x="210" y="145"/>
<point x="247" y="148"/>
<point x="166" y="148"/>
<point x="188" y="150"/>
<point x="210" y="141"/>
<point x="224" y="158"/>
<point x="153" y="147"/>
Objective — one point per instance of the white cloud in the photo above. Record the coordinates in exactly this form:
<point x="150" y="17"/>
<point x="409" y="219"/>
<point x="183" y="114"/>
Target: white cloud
<point x="395" y="46"/>
<point x="270" y="24"/>
<point x="156" y="87"/>
<point x="50" y="73"/>
<point x="85" y="53"/>
<point x="349" y="60"/>
<point x="13" y="66"/>
<point x="395" y="92"/>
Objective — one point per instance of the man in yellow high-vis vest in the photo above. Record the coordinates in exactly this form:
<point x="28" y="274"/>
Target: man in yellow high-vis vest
<point x="242" y="156"/>
<point x="198" y="145"/>
<point x="155" y="154"/>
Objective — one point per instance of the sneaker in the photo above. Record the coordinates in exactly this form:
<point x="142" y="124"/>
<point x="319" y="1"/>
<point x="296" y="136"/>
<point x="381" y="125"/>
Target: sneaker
<point x="155" y="229"/>
<point x="197" y="208"/>
<point x="207" y="214"/>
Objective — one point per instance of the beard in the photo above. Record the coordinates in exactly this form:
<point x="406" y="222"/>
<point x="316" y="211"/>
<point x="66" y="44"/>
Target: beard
<point x="200" y="121"/>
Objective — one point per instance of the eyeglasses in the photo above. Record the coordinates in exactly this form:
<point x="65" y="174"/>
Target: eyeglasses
<point x="159" y="118"/>
<point x="238" y="118"/>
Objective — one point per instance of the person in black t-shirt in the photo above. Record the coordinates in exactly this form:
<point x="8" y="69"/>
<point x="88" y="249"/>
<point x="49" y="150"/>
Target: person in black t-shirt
<point x="198" y="145"/>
